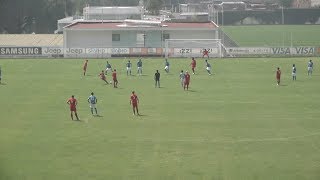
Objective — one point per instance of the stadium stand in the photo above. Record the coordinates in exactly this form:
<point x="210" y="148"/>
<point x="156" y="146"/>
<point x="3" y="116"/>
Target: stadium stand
<point x="35" y="40"/>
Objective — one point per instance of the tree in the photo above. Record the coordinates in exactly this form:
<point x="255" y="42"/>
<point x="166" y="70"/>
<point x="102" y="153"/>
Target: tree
<point x="286" y="3"/>
<point x="154" y="6"/>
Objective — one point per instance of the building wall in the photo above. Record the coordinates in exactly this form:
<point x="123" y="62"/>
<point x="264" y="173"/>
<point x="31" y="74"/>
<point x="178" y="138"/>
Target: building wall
<point x="192" y="34"/>
<point x="153" y="39"/>
<point x="88" y="39"/>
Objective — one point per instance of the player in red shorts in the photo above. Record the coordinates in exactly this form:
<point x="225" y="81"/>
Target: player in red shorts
<point x="134" y="100"/>
<point x="278" y="76"/>
<point x="85" y="65"/>
<point x="193" y="65"/>
<point x="73" y="103"/>
<point x="103" y="77"/>
<point x="186" y="81"/>
<point x="114" y="78"/>
<point x="205" y="53"/>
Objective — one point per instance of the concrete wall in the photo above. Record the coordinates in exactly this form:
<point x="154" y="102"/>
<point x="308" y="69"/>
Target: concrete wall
<point x="153" y="39"/>
<point x="88" y="39"/>
<point x="192" y="34"/>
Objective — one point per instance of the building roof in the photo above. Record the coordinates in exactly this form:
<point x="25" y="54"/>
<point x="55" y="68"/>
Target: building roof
<point x="121" y="25"/>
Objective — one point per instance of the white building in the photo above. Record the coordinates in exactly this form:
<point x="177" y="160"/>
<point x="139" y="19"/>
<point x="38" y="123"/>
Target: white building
<point x="135" y="37"/>
<point x="130" y="33"/>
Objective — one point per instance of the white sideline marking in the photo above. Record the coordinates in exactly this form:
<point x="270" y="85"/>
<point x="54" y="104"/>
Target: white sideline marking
<point x="243" y="140"/>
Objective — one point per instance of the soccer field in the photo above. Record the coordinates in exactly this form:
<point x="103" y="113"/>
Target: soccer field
<point x="235" y="124"/>
<point x="274" y="35"/>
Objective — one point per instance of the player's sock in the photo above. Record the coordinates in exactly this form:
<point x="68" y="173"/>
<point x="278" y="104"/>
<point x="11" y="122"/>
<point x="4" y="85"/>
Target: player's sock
<point x="92" y="111"/>
<point x="77" y="116"/>
<point x="96" y="110"/>
<point x="72" y="117"/>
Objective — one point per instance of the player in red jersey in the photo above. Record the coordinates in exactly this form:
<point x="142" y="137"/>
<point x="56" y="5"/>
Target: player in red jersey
<point x="186" y="81"/>
<point x="114" y="78"/>
<point x="205" y="53"/>
<point x="73" y="103"/>
<point x="134" y="100"/>
<point x="103" y="77"/>
<point x="85" y="65"/>
<point x="193" y="65"/>
<point x="278" y="76"/>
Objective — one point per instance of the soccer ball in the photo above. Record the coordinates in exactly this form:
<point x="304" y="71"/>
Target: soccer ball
<point x="110" y="82"/>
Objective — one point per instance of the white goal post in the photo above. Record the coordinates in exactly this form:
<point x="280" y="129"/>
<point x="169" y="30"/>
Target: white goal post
<point x="193" y="47"/>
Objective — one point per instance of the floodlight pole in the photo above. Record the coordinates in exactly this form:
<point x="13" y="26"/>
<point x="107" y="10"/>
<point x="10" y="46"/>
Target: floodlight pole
<point x="222" y="24"/>
<point x="282" y="15"/>
<point x="144" y="39"/>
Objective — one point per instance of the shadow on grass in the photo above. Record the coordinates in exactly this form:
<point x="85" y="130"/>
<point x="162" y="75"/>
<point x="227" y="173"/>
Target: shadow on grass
<point x="98" y="116"/>
<point x="3" y="84"/>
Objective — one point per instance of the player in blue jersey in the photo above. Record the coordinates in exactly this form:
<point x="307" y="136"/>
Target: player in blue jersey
<point x="92" y="100"/>
<point x="208" y="67"/>
<point x="310" y="67"/>
<point x="294" y="72"/>
<point x="182" y="76"/>
<point x="139" y="65"/>
<point x="108" y="67"/>
<point x="167" y="66"/>
<point x="129" y="65"/>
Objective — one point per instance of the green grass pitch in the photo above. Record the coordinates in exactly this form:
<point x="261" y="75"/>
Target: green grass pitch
<point x="236" y="124"/>
<point x="274" y="35"/>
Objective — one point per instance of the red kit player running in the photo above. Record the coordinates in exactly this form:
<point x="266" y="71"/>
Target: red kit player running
<point x="114" y="78"/>
<point x="205" y="53"/>
<point x="103" y="77"/>
<point x="73" y="103"/>
<point x="134" y="100"/>
<point x="85" y="65"/>
<point x="186" y="81"/>
<point x="278" y="76"/>
<point x="193" y="65"/>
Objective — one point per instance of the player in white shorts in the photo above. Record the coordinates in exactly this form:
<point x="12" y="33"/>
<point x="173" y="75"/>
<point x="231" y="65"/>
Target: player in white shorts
<point x="208" y="67"/>
<point x="129" y="65"/>
<point x="139" y="65"/>
<point x="182" y="76"/>
<point x="108" y="67"/>
<point x="294" y="72"/>
<point x="167" y="66"/>
<point x="92" y="100"/>
<point x="310" y="67"/>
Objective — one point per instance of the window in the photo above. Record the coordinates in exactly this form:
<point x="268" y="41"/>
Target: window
<point x="115" y="37"/>
<point x="165" y="36"/>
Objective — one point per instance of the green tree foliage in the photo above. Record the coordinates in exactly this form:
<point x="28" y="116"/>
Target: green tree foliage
<point x="286" y="3"/>
<point x="40" y="16"/>
<point x="154" y="6"/>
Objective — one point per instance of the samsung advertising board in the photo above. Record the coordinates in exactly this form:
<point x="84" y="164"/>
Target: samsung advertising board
<point x="20" y="51"/>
